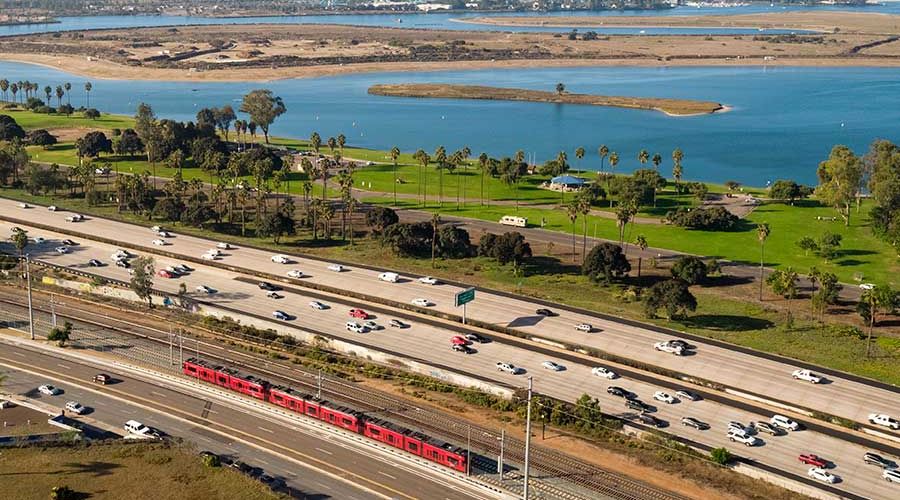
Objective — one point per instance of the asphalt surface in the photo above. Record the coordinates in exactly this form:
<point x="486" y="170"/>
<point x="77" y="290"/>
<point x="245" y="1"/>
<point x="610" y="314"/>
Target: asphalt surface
<point x="424" y="339"/>
<point x="158" y="405"/>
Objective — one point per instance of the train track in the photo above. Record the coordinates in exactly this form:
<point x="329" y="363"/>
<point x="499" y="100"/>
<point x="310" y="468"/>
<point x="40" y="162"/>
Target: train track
<point x="548" y="465"/>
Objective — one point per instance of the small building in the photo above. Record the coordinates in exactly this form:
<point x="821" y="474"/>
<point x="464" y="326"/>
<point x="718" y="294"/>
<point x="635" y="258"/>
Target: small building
<point x="566" y="183"/>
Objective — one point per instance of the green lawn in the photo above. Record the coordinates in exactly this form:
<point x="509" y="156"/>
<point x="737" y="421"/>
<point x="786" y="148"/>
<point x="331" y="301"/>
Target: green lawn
<point x="29" y="120"/>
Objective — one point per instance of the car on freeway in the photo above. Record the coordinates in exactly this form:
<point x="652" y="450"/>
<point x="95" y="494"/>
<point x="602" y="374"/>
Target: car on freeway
<point x="69" y="242"/>
<point x="24" y="205"/>
<point x="274" y="295"/>
<point x="124" y="253"/>
<point x="75" y="218"/>
<point x="602" y="371"/>
<point x="162" y="273"/>
<point x="422" y="302"/>
<point x="458" y="340"/>
<point x="867" y="286"/>
<point x="647" y="419"/>
<point x="665" y="397"/>
<point x="164" y="234"/>
<point x="745" y="439"/>
<point x="479" y="339"/>
<point x="265" y="285"/>
<point x="876" y="459"/>
<point x="315" y="304"/>
<point x="95" y="263"/>
<point x="52" y="208"/>
<point x="584" y="327"/>
<point x="637" y="404"/>
<point x="136" y="428"/>
<point x="428" y="280"/>
<point x="281" y="259"/>
<point x="545" y="312"/>
<point x="885" y="420"/>
<point x="389" y="277"/>
<point x="668" y="347"/>
<point x="62" y="250"/>
<point x="508" y="368"/>
<point x="279" y="314"/>
<point x="396" y="323"/>
<point x="689" y="395"/>
<point x="768" y="428"/>
<point x="205" y="289"/>
<point x="173" y="270"/>
<point x="183" y="269"/>
<point x="695" y="423"/>
<point x="156" y="229"/>
<point x="371" y="325"/>
<point x="807" y="376"/>
<point x="812" y="459"/>
<point x="783" y="422"/>
<point x="49" y="390"/>
<point x="209" y="256"/>
<point x="891" y="475"/>
<point x="101" y="378"/>
<point x="820" y="474"/>
<point x="359" y="313"/>
<point x="38" y="240"/>
<point x="123" y="263"/>
<point x="75" y="407"/>
<point x="224" y="246"/>
<point x="739" y="428"/>
<point x="553" y="366"/>
<point x="336" y="268"/>
<point x="462" y="348"/>
<point x="214" y="251"/>
<point x="295" y="273"/>
<point x="617" y="391"/>
<point x="355" y="327"/>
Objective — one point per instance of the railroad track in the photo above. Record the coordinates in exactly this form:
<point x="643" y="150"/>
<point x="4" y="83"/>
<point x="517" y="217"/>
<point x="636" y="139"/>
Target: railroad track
<point x="548" y="465"/>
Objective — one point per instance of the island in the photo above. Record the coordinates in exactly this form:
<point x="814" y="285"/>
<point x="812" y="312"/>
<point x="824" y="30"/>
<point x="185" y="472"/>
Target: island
<point x="672" y="107"/>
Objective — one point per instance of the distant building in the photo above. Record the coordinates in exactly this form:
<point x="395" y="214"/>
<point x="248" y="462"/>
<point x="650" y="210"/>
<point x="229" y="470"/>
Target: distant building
<point x="566" y="183"/>
<point x="427" y="7"/>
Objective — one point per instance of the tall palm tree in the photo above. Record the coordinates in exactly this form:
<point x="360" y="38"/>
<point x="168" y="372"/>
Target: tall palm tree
<point x="332" y="144"/>
<point x="452" y="163"/>
<point x="315" y="142"/>
<point x="4" y="86"/>
<point x="643" y="157"/>
<point x="677" y="172"/>
<point x="762" y="234"/>
<point x="465" y="153"/>
<point x="435" y="221"/>
<point x="345" y="181"/>
<point x="657" y="160"/>
<point x="341" y="141"/>
<point x="87" y="92"/>
<point x="351" y="206"/>
<point x="440" y="156"/>
<point x="483" y="160"/>
<point x="422" y="157"/>
<point x="603" y="152"/>
<point x="59" y="95"/>
<point x="584" y="208"/>
<point x="395" y="153"/>
<point x="572" y="210"/>
<point x="68" y="87"/>
<point x="561" y="168"/>
<point x="641" y="243"/>
<point x="48" y="91"/>
<point x="613" y="161"/>
<point x="14" y="88"/>
<point x="579" y="153"/>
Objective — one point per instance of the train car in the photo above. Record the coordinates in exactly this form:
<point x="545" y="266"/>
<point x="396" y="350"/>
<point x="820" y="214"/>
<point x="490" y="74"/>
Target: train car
<point x="339" y="416"/>
<point x="199" y="369"/>
<point x="394" y="435"/>
<point x="445" y="454"/>
<point x="249" y="385"/>
<point x="288" y="398"/>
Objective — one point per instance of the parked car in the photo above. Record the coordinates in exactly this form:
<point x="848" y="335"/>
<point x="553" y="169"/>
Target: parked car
<point x="783" y="422"/>
<point x="601" y="371"/>
<point x="823" y="475"/>
<point x="428" y="280"/>
<point x="49" y="390"/>
<point x="75" y="407"/>
<point x="278" y="314"/>
<point x="813" y="459"/>
<point x="545" y="312"/>
<point x="396" y="323"/>
<point x="584" y="327"/>
<point x="875" y="459"/>
<point x="695" y="423"/>
<point x="553" y="366"/>
<point x="806" y="375"/>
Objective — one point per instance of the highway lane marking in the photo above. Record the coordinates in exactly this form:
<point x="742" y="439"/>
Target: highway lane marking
<point x="388" y="475"/>
<point x="262" y="461"/>
<point x="64" y="367"/>
<point x="158" y="394"/>
<point x="325" y="451"/>
<point x="231" y="432"/>
<point x="265" y="430"/>
<point x="19" y="354"/>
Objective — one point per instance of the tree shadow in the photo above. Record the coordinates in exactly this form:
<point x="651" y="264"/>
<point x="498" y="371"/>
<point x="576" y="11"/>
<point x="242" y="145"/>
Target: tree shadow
<point x="93" y="468"/>
<point x="543" y="265"/>
<point x="726" y="323"/>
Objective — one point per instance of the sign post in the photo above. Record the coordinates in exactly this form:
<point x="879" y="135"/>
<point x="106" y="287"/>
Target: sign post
<point x="462" y="298"/>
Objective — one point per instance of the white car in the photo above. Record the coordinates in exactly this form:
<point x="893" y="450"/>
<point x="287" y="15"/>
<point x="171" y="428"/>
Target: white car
<point x="745" y="439"/>
<point x="75" y="407"/>
<point x="272" y="294"/>
<point x="295" y="273"/>
<point x="280" y="315"/>
<point x="891" y="475"/>
<point x="223" y="245"/>
<point x="783" y="422"/>
<point x="820" y="474"/>
<point x="668" y="347"/>
<point x="48" y="390"/>
<point x="119" y="256"/>
<point x="508" y="368"/>
<point x="584" y="327"/>
<point x="885" y="420"/>
<point x="738" y="428"/>
<point x="371" y="325"/>
<point x="209" y="256"/>
<point x="606" y="373"/>
<point x="159" y="242"/>
<point x="164" y="234"/>
<point x="550" y="365"/>
<point x="336" y="268"/>
<point x="355" y="327"/>
<point x="807" y="376"/>
<point x="389" y="277"/>
<point x="136" y="428"/>
<point x="281" y="259"/>
<point x="205" y="289"/>
<point x="52" y="208"/>
<point x="101" y="171"/>
<point x="428" y="280"/>
<point x="867" y="286"/>
<point x="315" y="304"/>
<point x="215" y="252"/>
<point x="38" y="240"/>
<point x="75" y="218"/>
<point x="422" y="302"/>
<point x="62" y="250"/>
<point x="665" y="397"/>
<point x="156" y="229"/>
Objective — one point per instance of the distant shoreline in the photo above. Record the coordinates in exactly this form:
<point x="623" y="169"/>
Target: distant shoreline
<point x="671" y="107"/>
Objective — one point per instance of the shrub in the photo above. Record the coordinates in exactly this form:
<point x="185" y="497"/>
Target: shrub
<point x="709" y="219"/>
<point x="720" y="456"/>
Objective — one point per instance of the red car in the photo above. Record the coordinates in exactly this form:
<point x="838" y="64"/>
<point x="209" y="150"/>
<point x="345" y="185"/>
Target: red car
<point x="457" y="340"/>
<point x="165" y="274"/>
<point x="814" y="460"/>
<point x="359" y="313"/>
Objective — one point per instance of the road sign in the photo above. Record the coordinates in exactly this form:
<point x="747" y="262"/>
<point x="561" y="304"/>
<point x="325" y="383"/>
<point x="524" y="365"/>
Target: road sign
<point x="464" y="297"/>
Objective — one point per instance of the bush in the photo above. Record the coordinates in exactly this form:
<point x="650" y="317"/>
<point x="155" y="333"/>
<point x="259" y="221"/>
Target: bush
<point x="720" y="456"/>
<point x="709" y="219"/>
<point x="673" y="296"/>
<point x="690" y="269"/>
<point x="605" y="262"/>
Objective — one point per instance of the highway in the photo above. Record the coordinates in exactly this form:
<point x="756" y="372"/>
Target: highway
<point x="310" y="462"/>
<point x="422" y="338"/>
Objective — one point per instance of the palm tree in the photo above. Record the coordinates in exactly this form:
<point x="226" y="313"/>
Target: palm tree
<point x="4" y="86"/>
<point x="603" y="152"/>
<point x="87" y="92"/>
<point x="677" y="171"/>
<point x="657" y="160"/>
<point x="315" y="142"/>
<point x="332" y="144"/>
<point x="613" y="161"/>
<point x="643" y="157"/>
<point x="762" y="234"/>
<point x="440" y="156"/>
<point x="561" y="167"/>
<point x="483" y="160"/>
<point x="641" y="243"/>
<point x="341" y="141"/>
<point x="579" y="153"/>
<point x="68" y="87"/>
<point x="435" y="220"/>
<point x="14" y="88"/>
<point x="345" y="181"/>
<point x="584" y="208"/>
<point x="251" y="126"/>
<point x="452" y="162"/>
<point x="48" y="91"/>
<point x="465" y="153"/>
<point x="395" y="153"/>
<point x="572" y="211"/>
<point x="351" y="205"/>
<point x="59" y="95"/>
<point x="422" y="157"/>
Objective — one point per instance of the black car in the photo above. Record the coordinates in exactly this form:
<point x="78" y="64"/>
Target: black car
<point x="95" y="263"/>
<point x="874" y="459"/>
<point x="637" y="404"/>
<point x="617" y="391"/>
<point x="69" y="243"/>
<point x="545" y="312"/>
<point x="462" y="348"/>
<point x="265" y="285"/>
<point x="680" y="343"/>
<point x="650" y="420"/>
<point x="474" y="337"/>
<point x="695" y="423"/>
<point x="123" y="263"/>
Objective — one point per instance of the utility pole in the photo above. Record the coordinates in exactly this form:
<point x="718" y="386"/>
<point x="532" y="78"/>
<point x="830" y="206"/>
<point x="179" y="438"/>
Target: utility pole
<point x="180" y="347"/>
<point x="52" y="311"/>
<point x="527" y="437"/>
<point x="319" y="385"/>
<point x="469" y="451"/>
<point x="30" y="308"/>
<point x="500" y="463"/>
<point x="171" y="347"/>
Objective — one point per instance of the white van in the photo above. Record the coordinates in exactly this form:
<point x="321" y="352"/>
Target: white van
<point x="389" y="277"/>
<point x="511" y="220"/>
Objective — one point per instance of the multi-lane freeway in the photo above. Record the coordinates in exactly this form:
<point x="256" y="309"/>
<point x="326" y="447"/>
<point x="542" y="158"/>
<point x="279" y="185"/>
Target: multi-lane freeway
<point x="430" y="339"/>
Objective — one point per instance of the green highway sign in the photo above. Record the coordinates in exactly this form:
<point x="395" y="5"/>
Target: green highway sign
<point x="464" y="297"/>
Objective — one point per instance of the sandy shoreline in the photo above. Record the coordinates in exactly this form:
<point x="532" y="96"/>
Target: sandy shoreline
<point x="104" y="70"/>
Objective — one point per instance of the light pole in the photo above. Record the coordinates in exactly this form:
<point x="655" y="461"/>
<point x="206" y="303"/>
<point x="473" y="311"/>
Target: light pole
<point x="527" y="437"/>
<point x="500" y="463"/>
<point x="30" y="308"/>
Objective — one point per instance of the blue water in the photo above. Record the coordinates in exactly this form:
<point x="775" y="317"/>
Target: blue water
<point x="784" y="121"/>
<point x="443" y="20"/>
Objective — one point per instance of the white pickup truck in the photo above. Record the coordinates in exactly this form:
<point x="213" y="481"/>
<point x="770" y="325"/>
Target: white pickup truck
<point x="885" y="420"/>
<point x="807" y="376"/>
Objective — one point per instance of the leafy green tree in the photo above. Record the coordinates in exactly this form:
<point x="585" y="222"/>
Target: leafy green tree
<point x="263" y="108"/>
<point x="605" y="262"/>
<point x="787" y="190"/>
<point x="784" y="282"/>
<point x="840" y="177"/>
<point x="60" y="335"/>
<point x="692" y="270"/>
<point x="91" y="114"/>
<point x="828" y="245"/>
<point x="828" y="292"/>
<point x="881" y="298"/>
<point x="9" y="129"/>
<point x="509" y="247"/>
<point x="807" y="244"/>
<point x="720" y="456"/>
<point x="672" y="296"/>
<point x="20" y="241"/>
<point x="40" y="137"/>
<point x="141" y="282"/>
<point x="380" y="218"/>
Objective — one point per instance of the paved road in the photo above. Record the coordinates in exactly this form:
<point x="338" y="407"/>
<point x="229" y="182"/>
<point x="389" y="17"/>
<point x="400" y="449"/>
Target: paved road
<point x="379" y="476"/>
<point x="426" y="340"/>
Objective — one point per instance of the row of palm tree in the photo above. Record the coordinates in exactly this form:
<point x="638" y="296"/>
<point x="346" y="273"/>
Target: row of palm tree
<point x="31" y="89"/>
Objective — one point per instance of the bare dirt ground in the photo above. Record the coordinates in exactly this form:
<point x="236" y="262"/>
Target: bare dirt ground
<point x="269" y="52"/>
